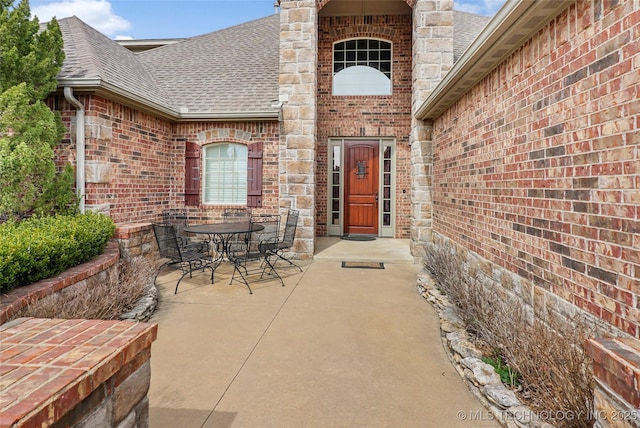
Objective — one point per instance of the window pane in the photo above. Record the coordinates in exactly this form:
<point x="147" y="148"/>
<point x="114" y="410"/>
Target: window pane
<point x="362" y="54"/>
<point x="225" y="174"/>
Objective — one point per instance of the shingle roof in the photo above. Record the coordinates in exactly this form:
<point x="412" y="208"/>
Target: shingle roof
<point x="230" y="71"/>
<point x="90" y="55"/>
<point x="226" y="71"/>
<point x="466" y="27"/>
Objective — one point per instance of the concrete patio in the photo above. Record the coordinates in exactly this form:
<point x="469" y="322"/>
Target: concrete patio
<point x="335" y="347"/>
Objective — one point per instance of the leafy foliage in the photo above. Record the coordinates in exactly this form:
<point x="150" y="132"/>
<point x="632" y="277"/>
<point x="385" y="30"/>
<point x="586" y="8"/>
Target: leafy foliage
<point x="507" y="374"/>
<point x="42" y="247"/>
<point x="30" y="60"/>
<point x="28" y="55"/>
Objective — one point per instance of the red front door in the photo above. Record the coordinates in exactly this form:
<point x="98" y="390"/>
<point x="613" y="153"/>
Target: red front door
<point x="361" y="187"/>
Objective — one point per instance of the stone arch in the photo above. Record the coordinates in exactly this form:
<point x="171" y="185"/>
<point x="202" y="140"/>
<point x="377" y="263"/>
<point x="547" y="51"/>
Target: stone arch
<point x="321" y="3"/>
<point x="230" y="135"/>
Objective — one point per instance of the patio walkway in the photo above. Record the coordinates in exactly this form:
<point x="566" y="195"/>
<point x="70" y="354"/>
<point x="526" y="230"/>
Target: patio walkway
<point x="335" y="347"/>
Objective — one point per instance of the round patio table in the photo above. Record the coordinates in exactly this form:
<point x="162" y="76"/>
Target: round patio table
<point x="222" y="233"/>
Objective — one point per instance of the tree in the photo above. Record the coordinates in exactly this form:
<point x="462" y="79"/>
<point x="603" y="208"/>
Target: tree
<point x="30" y="59"/>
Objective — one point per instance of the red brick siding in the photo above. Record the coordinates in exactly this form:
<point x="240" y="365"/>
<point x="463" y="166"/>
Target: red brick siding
<point x="266" y="132"/>
<point x="146" y="155"/>
<point x="366" y="116"/>
<point x="138" y="148"/>
<point x="536" y="168"/>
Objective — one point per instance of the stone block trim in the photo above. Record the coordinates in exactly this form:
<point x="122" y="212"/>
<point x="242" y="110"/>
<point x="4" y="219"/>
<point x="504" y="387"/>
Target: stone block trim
<point x="297" y="77"/>
<point x="51" y="366"/>
<point x="20" y="297"/>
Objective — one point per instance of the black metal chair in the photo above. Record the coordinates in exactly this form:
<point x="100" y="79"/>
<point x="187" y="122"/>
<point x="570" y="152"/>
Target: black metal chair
<point x="288" y="237"/>
<point x="187" y="260"/>
<point x="179" y="219"/>
<point x="251" y="252"/>
<point x="236" y="215"/>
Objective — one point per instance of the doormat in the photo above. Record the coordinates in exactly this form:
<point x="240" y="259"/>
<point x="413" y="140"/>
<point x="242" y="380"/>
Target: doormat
<point x="358" y="237"/>
<point x="363" y="265"/>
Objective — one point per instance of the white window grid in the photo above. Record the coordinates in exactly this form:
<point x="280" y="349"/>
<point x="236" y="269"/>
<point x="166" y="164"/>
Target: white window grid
<point x="373" y="53"/>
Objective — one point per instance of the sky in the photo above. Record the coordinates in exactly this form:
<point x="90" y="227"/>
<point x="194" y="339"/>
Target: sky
<point x="161" y="19"/>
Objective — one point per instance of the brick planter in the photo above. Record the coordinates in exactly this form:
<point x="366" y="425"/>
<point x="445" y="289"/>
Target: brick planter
<point x="74" y="372"/>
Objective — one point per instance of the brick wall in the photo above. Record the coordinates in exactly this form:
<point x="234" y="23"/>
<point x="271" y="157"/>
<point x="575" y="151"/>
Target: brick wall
<point x="366" y="116"/>
<point x="79" y="373"/>
<point x="135" y="161"/>
<point x="536" y="167"/>
<point x="132" y="151"/>
<point x="236" y="132"/>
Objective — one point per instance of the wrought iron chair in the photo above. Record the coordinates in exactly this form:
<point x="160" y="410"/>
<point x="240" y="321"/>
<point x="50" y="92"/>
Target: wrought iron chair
<point x="288" y="237"/>
<point x="179" y="219"/>
<point x="251" y="252"/>
<point x="236" y="215"/>
<point x="187" y="260"/>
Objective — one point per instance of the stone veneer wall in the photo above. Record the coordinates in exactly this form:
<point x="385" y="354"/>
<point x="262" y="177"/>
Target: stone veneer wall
<point x="535" y="170"/>
<point x="297" y="78"/>
<point x="432" y="59"/>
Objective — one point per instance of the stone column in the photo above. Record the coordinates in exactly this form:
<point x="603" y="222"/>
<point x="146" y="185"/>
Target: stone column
<point x="432" y="60"/>
<point x="298" y="69"/>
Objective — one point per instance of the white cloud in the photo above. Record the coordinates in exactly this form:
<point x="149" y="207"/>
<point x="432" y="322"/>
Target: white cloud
<point x="96" y="13"/>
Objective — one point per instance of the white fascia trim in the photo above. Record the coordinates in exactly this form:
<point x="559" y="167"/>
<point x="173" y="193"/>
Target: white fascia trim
<point x="515" y="23"/>
<point x="231" y="116"/>
<point x="99" y="86"/>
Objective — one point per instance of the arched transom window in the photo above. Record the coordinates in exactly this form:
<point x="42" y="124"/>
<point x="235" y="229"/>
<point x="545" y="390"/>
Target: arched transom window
<point x="362" y="67"/>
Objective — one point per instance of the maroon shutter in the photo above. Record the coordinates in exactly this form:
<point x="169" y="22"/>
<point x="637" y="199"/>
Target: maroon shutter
<point x="192" y="174"/>
<point x="254" y="175"/>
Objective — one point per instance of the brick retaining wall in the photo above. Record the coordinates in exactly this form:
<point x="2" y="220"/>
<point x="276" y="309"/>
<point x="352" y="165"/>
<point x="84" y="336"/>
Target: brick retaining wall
<point x="77" y="372"/>
<point x="86" y="373"/>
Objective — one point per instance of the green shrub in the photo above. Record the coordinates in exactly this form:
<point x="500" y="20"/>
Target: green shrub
<point x="39" y="248"/>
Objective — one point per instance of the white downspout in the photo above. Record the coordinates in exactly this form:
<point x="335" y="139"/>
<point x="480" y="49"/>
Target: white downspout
<point x="80" y="150"/>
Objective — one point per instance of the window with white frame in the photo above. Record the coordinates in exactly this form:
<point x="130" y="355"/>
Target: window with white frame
<point x="362" y="67"/>
<point x="225" y="174"/>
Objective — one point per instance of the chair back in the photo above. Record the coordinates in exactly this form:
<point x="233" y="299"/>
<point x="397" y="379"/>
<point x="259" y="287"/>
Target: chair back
<point x="236" y="215"/>
<point x="167" y="241"/>
<point x="290" y="229"/>
<point x="178" y="218"/>
<point x="266" y="239"/>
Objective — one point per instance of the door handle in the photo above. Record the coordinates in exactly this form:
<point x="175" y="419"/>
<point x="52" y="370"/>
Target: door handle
<point x="376" y="199"/>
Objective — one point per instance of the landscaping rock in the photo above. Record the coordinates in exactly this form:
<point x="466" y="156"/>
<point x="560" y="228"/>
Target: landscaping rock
<point x="483" y="373"/>
<point x="498" y="394"/>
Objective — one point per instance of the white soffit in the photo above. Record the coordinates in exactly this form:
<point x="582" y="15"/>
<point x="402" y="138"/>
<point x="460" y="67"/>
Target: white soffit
<point x="515" y="23"/>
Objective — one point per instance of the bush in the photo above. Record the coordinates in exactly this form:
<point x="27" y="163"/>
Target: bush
<point x="39" y="248"/>
<point x="545" y="350"/>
